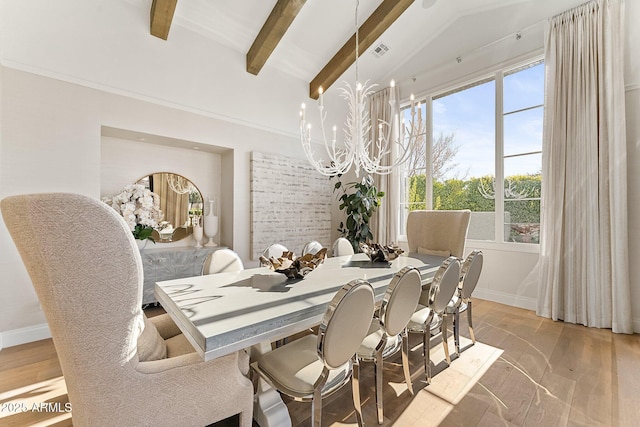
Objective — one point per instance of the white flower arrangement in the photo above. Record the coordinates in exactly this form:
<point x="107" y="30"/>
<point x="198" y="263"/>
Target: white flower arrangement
<point x="140" y="208"/>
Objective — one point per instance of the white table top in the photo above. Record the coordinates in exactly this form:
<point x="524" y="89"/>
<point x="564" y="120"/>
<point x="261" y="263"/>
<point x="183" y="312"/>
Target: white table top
<point x="225" y="312"/>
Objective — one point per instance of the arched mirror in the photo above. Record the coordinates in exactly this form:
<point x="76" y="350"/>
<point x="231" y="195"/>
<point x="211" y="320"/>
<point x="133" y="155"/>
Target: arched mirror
<point x="180" y="202"/>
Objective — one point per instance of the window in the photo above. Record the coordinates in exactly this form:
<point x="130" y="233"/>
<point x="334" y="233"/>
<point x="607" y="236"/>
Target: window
<point x="484" y="145"/>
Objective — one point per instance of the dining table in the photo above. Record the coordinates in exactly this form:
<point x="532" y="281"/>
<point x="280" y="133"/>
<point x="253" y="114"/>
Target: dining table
<point x="249" y="309"/>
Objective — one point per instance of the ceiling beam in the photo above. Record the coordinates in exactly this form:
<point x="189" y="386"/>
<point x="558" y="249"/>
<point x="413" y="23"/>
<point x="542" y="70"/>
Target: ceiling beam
<point x="369" y="32"/>
<point x="161" y="17"/>
<point x="282" y="15"/>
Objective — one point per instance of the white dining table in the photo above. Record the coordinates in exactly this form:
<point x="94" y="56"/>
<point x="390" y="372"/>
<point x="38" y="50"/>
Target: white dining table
<point x="226" y="312"/>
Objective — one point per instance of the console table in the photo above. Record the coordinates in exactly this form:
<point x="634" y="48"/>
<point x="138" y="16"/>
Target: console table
<point x="161" y="264"/>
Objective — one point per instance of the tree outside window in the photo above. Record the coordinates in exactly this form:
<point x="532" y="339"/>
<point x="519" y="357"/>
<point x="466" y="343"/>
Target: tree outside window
<point x="462" y="143"/>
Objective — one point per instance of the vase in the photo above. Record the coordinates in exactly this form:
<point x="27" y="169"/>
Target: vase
<point x="142" y="244"/>
<point x="197" y="231"/>
<point x="211" y="225"/>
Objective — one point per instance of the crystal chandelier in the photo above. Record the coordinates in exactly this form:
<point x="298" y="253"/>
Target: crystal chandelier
<point x="359" y="148"/>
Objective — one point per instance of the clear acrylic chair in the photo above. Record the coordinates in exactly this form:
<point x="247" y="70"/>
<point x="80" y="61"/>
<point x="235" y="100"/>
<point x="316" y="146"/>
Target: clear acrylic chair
<point x="342" y="247"/>
<point x="275" y="250"/>
<point x="461" y="301"/>
<point x="314" y="367"/>
<point x="388" y="330"/>
<point x="429" y="317"/>
<point x="221" y="261"/>
<point x="312" y="247"/>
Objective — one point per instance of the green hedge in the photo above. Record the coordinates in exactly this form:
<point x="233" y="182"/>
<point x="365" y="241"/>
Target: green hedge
<point x="467" y="194"/>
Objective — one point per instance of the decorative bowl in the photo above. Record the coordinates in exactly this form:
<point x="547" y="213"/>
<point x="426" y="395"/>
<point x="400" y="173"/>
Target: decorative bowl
<point x="294" y="267"/>
<point x="381" y="253"/>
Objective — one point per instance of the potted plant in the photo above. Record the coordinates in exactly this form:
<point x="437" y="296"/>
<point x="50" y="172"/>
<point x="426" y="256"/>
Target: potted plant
<point x="140" y="209"/>
<point x="359" y="200"/>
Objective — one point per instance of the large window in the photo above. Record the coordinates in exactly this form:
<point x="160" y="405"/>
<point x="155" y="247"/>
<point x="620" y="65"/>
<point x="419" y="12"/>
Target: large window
<point x="479" y="148"/>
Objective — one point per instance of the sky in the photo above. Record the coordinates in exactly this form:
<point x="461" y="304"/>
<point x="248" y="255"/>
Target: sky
<point x="470" y="115"/>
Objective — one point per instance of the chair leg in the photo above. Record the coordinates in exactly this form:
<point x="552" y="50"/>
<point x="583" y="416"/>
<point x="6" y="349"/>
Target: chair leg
<point x="426" y="342"/>
<point x="445" y="343"/>
<point x="473" y="336"/>
<point x="378" y="373"/>
<point x="316" y="408"/>
<point x="355" y="387"/>
<point x="456" y="330"/>
<point x="405" y="361"/>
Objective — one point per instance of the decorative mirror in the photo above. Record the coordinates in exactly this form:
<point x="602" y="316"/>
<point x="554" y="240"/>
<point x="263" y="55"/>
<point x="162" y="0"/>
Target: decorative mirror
<point x="180" y="202"/>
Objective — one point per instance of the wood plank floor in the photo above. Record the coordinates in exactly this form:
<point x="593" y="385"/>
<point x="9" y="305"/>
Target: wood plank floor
<point x="550" y="374"/>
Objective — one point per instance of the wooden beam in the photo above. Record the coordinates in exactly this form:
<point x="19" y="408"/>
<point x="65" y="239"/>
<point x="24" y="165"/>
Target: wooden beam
<point x="369" y="32"/>
<point x="161" y="17"/>
<point x="282" y="15"/>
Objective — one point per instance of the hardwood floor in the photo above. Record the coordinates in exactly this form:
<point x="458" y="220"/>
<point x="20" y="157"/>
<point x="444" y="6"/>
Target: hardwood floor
<point x="550" y="374"/>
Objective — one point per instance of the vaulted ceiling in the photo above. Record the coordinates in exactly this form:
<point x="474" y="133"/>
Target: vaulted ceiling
<point x="314" y="40"/>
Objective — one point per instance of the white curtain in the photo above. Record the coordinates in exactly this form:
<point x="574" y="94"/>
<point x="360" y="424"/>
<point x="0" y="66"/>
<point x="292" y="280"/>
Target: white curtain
<point x="384" y="223"/>
<point x="584" y="265"/>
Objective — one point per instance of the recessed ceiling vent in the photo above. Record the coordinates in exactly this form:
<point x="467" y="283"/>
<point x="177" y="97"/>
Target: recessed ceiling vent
<point x="380" y="50"/>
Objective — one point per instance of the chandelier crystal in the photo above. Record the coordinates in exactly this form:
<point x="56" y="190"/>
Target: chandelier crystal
<point x="359" y="149"/>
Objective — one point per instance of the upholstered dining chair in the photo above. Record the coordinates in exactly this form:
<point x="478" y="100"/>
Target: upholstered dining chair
<point x="312" y="247"/>
<point x="429" y="315"/>
<point x="342" y="247"/>
<point x="440" y="233"/>
<point x="120" y="368"/>
<point x="313" y="367"/>
<point x="388" y="330"/>
<point x="222" y="261"/>
<point x="461" y="301"/>
<point x="275" y="250"/>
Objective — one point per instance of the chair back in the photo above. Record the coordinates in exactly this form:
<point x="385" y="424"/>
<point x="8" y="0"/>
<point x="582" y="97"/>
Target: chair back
<point x="86" y="269"/>
<point x="444" y="285"/>
<point x="471" y="270"/>
<point x="342" y="247"/>
<point x="222" y="261"/>
<point x="438" y="231"/>
<point x="400" y="300"/>
<point x="312" y="247"/>
<point x="345" y="323"/>
<point x="275" y="250"/>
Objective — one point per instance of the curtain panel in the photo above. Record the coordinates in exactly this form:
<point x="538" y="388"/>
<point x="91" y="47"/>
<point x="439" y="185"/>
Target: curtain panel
<point x="584" y="275"/>
<point x="384" y="223"/>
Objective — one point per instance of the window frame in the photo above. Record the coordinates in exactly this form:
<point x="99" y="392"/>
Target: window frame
<point x="497" y="75"/>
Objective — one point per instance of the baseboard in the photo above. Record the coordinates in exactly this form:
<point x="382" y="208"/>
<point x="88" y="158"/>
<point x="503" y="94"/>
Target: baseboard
<point x="505" y="298"/>
<point x="24" y="335"/>
<point x="522" y="302"/>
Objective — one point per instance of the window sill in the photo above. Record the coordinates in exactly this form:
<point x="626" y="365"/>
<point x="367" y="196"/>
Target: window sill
<point x="494" y="246"/>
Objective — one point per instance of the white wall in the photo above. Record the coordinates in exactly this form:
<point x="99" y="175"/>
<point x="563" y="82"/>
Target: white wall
<point x="123" y="162"/>
<point x="51" y="141"/>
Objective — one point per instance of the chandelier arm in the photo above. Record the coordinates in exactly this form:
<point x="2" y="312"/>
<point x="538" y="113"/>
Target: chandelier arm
<point x="360" y="148"/>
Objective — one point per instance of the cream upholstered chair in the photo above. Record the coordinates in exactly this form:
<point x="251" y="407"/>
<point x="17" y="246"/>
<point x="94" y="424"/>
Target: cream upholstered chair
<point x="313" y="367"/>
<point x="441" y="233"/>
<point x="461" y="301"/>
<point x="424" y="320"/>
<point x="342" y="247"/>
<point x="222" y="261"/>
<point x="312" y="247"/>
<point x="87" y="272"/>
<point x="388" y="330"/>
<point x="275" y="250"/>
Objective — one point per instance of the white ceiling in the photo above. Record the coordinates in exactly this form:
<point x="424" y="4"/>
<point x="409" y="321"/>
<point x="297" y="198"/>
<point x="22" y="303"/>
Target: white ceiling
<point x="421" y="39"/>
